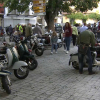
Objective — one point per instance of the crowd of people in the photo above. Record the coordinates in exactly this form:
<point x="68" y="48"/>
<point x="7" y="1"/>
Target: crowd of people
<point x="82" y="36"/>
<point x="70" y="33"/>
<point x="24" y="30"/>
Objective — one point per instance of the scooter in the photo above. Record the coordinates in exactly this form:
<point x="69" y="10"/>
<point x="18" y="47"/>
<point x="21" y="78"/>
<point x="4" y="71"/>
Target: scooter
<point x="36" y="46"/>
<point x="46" y="40"/>
<point x="4" y="75"/>
<point x="75" y="63"/>
<point x="20" y="67"/>
<point x="25" y="55"/>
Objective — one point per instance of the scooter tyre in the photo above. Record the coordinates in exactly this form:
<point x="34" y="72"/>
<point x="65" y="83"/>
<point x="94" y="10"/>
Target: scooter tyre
<point x="33" y="64"/>
<point x="59" y="45"/>
<point x="75" y="65"/>
<point x="5" y="84"/>
<point x="39" y="51"/>
<point x="16" y="73"/>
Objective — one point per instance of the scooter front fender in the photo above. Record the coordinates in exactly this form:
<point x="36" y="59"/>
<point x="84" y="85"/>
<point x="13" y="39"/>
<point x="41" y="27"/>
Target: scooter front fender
<point x="19" y="64"/>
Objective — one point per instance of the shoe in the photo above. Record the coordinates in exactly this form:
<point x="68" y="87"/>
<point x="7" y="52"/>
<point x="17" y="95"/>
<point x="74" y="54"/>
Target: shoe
<point x="51" y="52"/>
<point x="80" y="72"/>
<point x="90" y="73"/>
<point x="67" y="52"/>
<point x="56" y="52"/>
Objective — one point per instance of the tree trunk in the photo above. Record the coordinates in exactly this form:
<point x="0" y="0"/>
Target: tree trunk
<point x="50" y="22"/>
<point x="51" y="12"/>
<point x="51" y="25"/>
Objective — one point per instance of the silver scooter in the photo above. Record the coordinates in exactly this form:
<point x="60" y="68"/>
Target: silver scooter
<point x="75" y="63"/>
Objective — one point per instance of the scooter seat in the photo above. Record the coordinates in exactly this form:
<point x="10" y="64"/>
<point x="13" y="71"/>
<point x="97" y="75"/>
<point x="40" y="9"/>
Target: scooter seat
<point x="3" y="50"/>
<point x="75" y="54"/>
<point x="28" y="56"/>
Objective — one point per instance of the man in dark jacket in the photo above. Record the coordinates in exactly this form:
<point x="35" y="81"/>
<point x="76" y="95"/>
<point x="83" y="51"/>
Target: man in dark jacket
<point x="10" y="30"/>
<point x="28" y="30"/>
<point x="87" y="38"/>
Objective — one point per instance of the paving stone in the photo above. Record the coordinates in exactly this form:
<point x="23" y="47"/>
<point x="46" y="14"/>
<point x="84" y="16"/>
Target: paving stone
<point x="54" y="79"/>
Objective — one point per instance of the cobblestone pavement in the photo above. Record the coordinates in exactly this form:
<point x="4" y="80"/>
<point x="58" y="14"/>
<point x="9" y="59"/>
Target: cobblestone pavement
<point x="54" y="79"/>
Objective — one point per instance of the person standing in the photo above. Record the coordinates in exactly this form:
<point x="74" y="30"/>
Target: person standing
<point x="10" y="30"/>
<point x="54" y="39"/>
<point x="21" y="29"/>
<point x="98" y="30"/>
<point x="68" y="36"/>
<point x="85" y="39"/>
<point x="83" y="28"/>
<point x="74" y="34"/>
<point x="28" y="31"/>
<point x="94" y="29"/>
<point x="37" y="30"/>
<point x="89" y="26"/>
<point x="23" y="26"/>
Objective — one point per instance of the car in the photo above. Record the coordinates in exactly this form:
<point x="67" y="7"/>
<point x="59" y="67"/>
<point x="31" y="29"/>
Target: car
<point x="33" y="26"/>
<point x="58" y="29"/>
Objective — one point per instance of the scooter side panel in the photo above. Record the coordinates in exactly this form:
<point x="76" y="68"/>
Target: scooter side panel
<point x="9" y="57"/>
<point x="19" y="64"/>
<point x="74" y="58"/>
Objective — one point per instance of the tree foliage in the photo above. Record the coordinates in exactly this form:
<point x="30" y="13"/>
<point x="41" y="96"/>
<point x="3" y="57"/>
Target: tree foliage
<point x="19" y="5"/>
<point x="94" y="16"/>
<point x="78" y="16"/>
<point x="53" y="7"/>
<point x="84" y="16"/>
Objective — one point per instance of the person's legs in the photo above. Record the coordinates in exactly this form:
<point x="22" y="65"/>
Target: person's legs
<point x="89" y="61"/>
<point x="80" y="58"/>
<point x="56" y="48"/>
<point x="52" y="47"/>
<point x="68" y="43"/>
<point x="64" y="44"/>
<point x="74" y="39"/>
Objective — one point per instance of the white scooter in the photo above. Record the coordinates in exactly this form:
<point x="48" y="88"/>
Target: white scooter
<point x="4" y="75"/>
<point x="75" y="63"/>
<point x="20" y="67"/>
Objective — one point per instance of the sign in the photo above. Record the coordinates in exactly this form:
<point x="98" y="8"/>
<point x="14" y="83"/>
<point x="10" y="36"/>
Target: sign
<point x="39" y="6"/>
<point x="1" y="9"/>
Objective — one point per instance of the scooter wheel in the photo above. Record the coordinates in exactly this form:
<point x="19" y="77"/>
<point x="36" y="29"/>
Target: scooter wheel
<point x="39" y="51"/>
<point x="59" y="45"/>
<point x="22" y="72"/>
<point x="5" y="84"/>
<point x="32" y="63"/>
<point x="75" y="65"/>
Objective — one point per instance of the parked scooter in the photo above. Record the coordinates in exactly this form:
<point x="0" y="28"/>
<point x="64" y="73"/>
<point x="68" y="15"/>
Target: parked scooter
<point x="36" y="46"/>
<point x="46" y="40"/>
<point x="75" y="63"/>
<point x="4" y="75"/>
<point x="20" y="67"/>
<point x="25" y="55"/>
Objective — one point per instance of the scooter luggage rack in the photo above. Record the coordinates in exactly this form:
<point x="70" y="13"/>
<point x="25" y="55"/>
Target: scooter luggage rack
<point x="10" y="44"/>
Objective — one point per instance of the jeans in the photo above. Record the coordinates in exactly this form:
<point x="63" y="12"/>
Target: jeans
<point x="74" y="39"/>
<point x="68" y="41"/>
<point x="89" y="60"/>
<point x="54" y="46"/>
